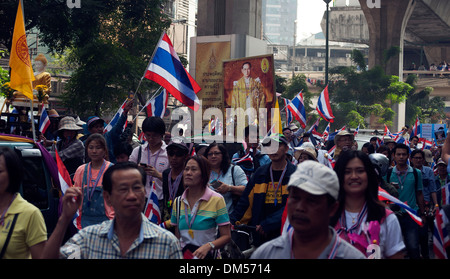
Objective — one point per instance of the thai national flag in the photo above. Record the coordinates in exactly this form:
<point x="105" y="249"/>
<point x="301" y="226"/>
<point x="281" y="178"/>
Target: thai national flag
<point x="116" y="118"/>
<point x="356" y="131"/>
<point x="65" y="182"/>
<point x="441" y="239"/>
<point x="323" y="106"/>
<point x="426" y="144"/>
<point x="44" y="121"/>
<point x="383" y="196"/>
<point x="152" y="208"/>
<point x="416" y="129"/>
<point x="297" y="107"/>
<point x="166" y="69"/>
<point x="326" y="132"/>
<point x="289" y="117"/>
<point x="157" y="106"/>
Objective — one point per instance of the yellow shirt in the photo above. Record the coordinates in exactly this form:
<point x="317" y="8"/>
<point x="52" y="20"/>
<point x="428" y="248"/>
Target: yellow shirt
<point x="29" y="230"/>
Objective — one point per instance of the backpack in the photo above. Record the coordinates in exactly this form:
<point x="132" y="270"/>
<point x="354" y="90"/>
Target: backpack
<point x="395" y="208"/>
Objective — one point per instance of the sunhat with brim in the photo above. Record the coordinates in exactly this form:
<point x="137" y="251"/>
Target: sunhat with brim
<point x="343" y="134"/>
<point x="79" y="121"/>
<point x="68" y="123"/>
<point x="315" y="178"/>
<point x="307" y="150"/>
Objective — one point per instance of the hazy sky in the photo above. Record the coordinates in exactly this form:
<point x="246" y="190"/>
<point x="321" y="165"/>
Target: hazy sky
<point x="310" y="13"/>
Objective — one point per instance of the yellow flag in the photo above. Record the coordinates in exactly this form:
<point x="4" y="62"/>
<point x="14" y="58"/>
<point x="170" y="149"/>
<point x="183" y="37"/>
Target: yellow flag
<point x="276" y="120"/>
<point x="20" y="63"/>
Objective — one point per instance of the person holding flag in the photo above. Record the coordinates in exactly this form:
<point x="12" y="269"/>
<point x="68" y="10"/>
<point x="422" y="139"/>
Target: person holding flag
<point x="95" y="124"/>
<point x="129" y="235"/>
<point x="152" y="155"/>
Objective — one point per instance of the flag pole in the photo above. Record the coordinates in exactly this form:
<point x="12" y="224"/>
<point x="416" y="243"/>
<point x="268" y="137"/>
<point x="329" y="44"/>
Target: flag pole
<point x="143" y="107"/>
<point x="151" y="59"/>
<point x="32" y="121"/>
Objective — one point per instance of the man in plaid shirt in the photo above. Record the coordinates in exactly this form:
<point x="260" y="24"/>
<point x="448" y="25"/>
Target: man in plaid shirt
<point x="130" y="235"/>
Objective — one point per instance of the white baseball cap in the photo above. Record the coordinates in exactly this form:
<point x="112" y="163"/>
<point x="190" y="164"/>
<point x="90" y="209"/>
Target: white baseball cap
<point x="315" y="178"/>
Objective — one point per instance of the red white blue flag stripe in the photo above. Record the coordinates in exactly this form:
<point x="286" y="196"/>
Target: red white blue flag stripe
<point x="157" y="106"/>
<point x="441" y="239"/>
<point x="166" y="70"/>
<point x="297" y="107"/>
<point x="323" y="106"/>
<point x="115" y="119"/>
<point x="416" y="129"/>
<point x="289" y="117"/>
<point x="44" y="121"/>
<point x="383" y="195"/>
<point x="152" y="211"/>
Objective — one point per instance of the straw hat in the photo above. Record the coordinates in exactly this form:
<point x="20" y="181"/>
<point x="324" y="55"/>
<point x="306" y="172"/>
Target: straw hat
<point x="68" y="123"/>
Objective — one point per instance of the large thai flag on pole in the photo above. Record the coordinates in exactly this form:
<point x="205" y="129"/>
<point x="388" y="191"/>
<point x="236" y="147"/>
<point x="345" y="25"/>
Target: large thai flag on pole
<point x="157" y="106"/>
<point x="44" y="121"/>
<point x="323" y="106"/>
<point x="297" y="107"/>
<point x="165" y="68"/>
<point x="152" y="208"/>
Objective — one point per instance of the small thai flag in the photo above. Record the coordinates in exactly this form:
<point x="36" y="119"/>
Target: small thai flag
<point x="323" y="106"/>
<point x="157" y="106"/>
<point x="44" y="121"/>
<point x="152" y="208"/>
<point x="297" y="107"/>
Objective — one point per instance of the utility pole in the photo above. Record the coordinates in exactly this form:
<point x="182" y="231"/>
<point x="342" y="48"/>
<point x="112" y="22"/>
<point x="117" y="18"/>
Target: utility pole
<point x="326" y="43"/>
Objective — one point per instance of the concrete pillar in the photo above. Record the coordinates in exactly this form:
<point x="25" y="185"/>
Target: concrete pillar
<point x="387" y="26"/>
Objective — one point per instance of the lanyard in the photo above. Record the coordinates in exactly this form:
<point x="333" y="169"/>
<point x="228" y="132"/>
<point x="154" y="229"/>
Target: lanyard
<point x="154" y="163"/>
<point x="100" y="174"/>
<point x="333" y="251"/>
<point x="354" y="227"/>
<point x="401" y="179"/>
<point x="275" y="200"/>
<point x="193" y="215"/>
<point x="173" y="188"/>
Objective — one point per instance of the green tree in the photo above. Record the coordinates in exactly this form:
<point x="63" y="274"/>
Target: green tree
<point x="429" y="110"/>
<point x="108" y="44"/>
<point x="359" y="93"/>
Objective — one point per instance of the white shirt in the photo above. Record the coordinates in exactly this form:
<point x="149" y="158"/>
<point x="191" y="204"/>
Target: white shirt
<point x="158" y="160"/>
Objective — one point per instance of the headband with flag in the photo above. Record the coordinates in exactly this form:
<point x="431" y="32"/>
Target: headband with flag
<point x="21" y="72"/>
<point x="166" y="69"/>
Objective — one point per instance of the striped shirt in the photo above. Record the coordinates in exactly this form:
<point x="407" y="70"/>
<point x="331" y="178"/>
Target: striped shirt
<point x="101" y="242"/>
<point x="212" y="212"/>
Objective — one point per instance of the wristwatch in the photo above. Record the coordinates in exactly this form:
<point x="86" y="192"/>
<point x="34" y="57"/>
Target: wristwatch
<point x="212" y="245"/>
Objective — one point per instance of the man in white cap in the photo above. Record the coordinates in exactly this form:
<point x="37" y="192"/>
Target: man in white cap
<point x="313" y="192"/>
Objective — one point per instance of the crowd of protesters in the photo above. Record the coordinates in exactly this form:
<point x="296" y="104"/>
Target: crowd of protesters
<point x="306" y="199"/>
